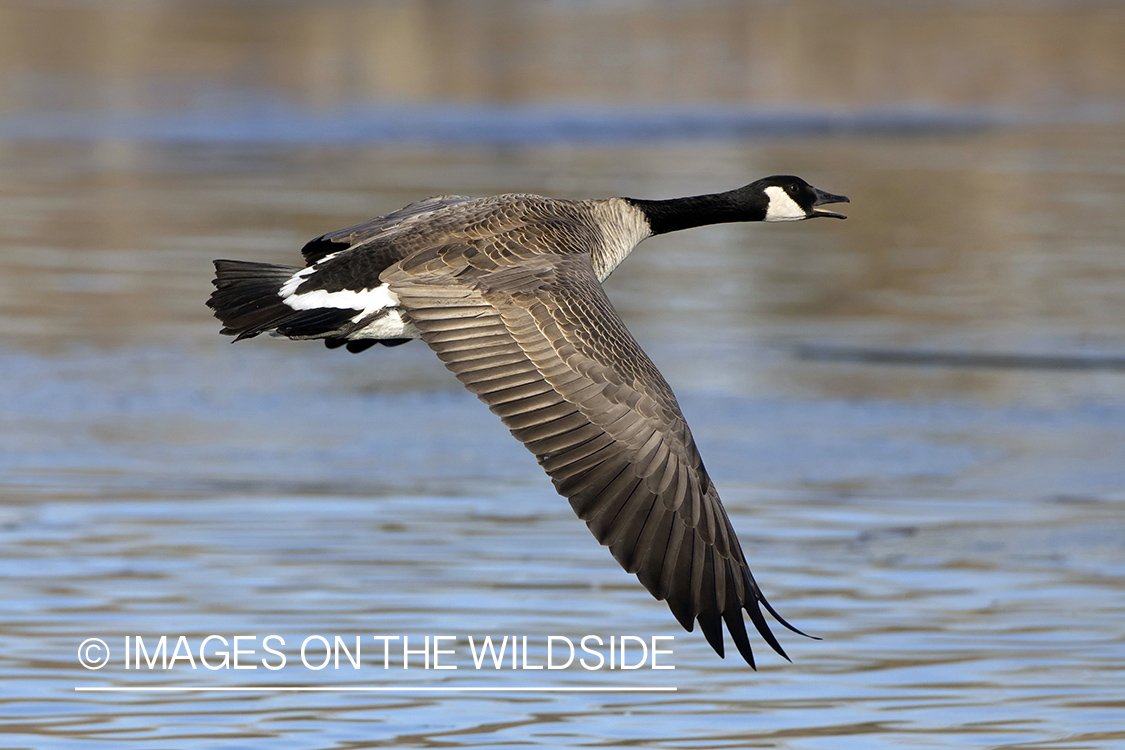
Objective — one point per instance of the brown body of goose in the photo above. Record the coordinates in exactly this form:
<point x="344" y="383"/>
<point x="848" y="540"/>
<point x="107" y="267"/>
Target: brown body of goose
<point x="507" y="291"/>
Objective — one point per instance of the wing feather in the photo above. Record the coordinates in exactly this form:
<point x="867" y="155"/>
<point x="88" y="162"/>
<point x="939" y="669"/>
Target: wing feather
<point x="379" y="227"/>
<point x="535" y="338"/>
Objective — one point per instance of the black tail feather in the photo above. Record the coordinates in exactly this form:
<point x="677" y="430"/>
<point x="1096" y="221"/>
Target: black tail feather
<point x="247" y="302"/>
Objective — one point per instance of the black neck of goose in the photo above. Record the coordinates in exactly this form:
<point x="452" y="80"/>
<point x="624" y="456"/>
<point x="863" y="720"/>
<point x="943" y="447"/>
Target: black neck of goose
<point x="700" y="210"/>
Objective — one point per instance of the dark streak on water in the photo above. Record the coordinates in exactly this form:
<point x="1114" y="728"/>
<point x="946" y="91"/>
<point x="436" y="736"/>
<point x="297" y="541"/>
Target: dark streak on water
<point x="989" y="360"/>
<point x="276" y="123"/>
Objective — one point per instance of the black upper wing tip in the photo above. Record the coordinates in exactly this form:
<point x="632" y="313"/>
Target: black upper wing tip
<point x="783" y="621"/>
<point x="736" y="625"/>
<point x="712" y="626"/>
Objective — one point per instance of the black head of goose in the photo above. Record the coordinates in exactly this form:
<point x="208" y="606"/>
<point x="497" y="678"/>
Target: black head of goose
<point x="507" y="291"/>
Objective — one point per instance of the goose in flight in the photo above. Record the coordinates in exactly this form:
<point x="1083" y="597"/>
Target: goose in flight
<point x="507" y="291"/>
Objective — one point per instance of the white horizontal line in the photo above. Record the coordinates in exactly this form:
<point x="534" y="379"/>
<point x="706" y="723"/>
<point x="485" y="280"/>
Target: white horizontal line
<point x="377" y="689"/>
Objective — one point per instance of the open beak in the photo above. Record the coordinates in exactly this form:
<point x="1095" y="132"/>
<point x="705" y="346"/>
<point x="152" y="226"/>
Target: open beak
<point x="823" y="198"/>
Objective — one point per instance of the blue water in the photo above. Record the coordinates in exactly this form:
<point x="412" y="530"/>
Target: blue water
<point x="965" y="593"/>
<point x="277" y="122"/>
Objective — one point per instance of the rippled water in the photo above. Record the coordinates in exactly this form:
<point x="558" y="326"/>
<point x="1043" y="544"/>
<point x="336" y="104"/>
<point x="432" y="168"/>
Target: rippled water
<point x="915" y="418"/>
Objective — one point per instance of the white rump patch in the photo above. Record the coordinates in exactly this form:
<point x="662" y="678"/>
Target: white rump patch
<point x="782" y="207"/>
<point x="379" y="306"/>
<point x="365" y="301"/>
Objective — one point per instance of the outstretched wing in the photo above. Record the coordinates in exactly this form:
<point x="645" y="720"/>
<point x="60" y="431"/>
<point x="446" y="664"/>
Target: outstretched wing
<point x="536" y="339"/>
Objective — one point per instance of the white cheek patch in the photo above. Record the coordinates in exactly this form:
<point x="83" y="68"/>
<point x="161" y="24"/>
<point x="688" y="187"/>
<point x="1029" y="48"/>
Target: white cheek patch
<point x="782" y="207"/>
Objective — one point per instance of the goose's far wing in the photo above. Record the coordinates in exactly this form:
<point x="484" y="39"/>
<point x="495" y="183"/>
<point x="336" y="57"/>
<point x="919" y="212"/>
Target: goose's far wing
<point x="537" y="340"/>
<point x="349" y="237"/>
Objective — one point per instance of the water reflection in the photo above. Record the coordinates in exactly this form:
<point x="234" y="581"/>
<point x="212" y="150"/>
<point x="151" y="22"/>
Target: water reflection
<point x="168" y="55"/>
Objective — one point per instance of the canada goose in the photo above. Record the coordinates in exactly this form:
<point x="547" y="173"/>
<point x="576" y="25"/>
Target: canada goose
<point x="507" y="291"/>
